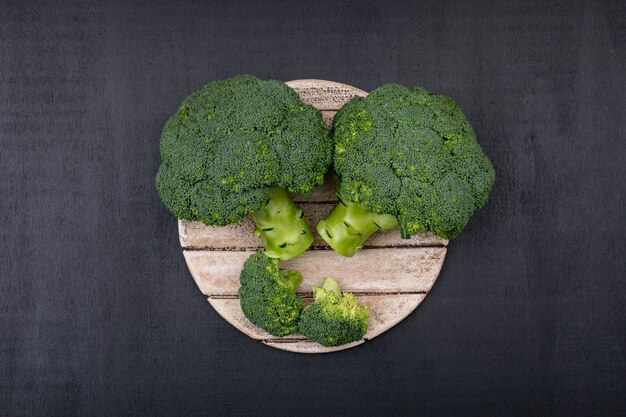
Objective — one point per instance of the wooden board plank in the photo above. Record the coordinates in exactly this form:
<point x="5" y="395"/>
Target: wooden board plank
<point x="385" y="270"/>
<point x="196" y="235"/>
<point x="385" y="312"/>
<point x="325" y="95"/>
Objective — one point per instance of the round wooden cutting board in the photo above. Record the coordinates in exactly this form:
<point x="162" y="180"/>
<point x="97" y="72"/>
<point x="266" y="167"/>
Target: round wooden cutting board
<point x="391" y="275"/>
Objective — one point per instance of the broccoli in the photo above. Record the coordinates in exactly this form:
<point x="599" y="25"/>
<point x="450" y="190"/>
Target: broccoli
<point x="240" y="146"/>
<point x="404" y="157"/>
<point x="268" y="295"/>
<point x="333" y="319"/>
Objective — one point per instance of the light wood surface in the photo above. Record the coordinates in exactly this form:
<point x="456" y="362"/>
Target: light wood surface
<point x="391" y="275"/>
<point x="370" y="271"/>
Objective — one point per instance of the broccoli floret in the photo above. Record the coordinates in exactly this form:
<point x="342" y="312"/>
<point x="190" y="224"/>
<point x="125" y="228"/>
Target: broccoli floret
<point x="407" y="155"/>
<point x="333" y="319"/>
<point x="268" y="295"/>
<point x="240" y="146"/>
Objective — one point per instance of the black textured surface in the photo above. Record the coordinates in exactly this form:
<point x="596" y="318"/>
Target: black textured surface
<point x="99" y="315"/>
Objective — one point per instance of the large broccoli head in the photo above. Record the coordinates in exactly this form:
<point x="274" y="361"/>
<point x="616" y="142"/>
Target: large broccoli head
<point x="232" y="142"/>
<point x="334" y="318"/>
<point x="410" y="154"/>
<point x="268" y="295"/>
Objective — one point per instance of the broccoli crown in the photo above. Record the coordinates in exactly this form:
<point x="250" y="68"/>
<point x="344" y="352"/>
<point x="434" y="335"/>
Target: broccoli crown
<point x="232" y="140"/>
<point x="333" y="319"/>
<point x="413" y="154"/>
<point x="268" y="295"/>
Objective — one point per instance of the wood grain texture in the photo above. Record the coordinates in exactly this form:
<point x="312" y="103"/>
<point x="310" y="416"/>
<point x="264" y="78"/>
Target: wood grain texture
<point x="391" y="275"/>
<point x="384" y="270"/>
<point x="325" y="95"/>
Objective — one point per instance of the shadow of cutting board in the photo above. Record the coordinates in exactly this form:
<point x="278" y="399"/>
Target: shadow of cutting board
<point x="391" y="275"/>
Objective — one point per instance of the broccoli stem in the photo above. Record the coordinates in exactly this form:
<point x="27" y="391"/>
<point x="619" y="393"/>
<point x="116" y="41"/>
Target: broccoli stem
<point x="330" y="284"/>
<point x="349" y="225"/>
<point x="282" y="226"/>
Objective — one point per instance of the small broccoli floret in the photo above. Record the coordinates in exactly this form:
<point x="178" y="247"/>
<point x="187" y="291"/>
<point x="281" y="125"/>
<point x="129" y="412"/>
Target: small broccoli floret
<point x="333" y="319"/>
<point x="268" y="295"/>
<point x="240" y="146"/>
<point x="408" y="154"/>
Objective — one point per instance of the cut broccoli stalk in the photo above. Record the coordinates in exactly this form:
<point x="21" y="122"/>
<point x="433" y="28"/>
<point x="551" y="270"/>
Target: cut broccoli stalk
<point x="282" y="226"/>
<point x="349" y="224"/>
<point x="329" y="284"/>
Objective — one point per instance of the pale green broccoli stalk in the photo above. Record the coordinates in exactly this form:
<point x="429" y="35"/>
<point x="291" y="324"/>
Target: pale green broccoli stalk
<point x="349" y="224"/>
<point x="282" y="226"/>
<point x="240" y="146"/>
<point x="334" y="319"/>
<point x="268" y="295"/>
<point x="409" y="154"/>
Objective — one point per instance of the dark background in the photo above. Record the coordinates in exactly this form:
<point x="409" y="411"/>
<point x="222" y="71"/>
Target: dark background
<point x="99" y="315"/>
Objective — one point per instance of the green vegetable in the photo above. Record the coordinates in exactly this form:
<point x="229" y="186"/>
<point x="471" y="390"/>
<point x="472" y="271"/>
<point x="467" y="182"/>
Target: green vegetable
<point x="333" y="319"/>
<point x="349" y="224"/>
<point x="282" y="226"/>
<point x="407" y="155"/>
<point x="268" y="295"/>
<point x="240" y="146"/>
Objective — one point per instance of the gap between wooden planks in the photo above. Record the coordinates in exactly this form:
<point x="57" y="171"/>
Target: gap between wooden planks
<point x="391" y="275"/>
